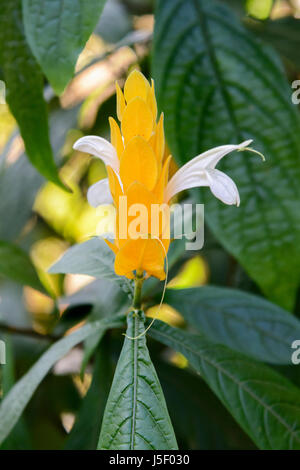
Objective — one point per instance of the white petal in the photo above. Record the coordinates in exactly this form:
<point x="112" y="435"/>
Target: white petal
<point x="178" y="183"/>
<point x="193" y="173"/>
<point x="100" y="148"/>
<point x="223" y="187"/>
<point x="99" y="193"/>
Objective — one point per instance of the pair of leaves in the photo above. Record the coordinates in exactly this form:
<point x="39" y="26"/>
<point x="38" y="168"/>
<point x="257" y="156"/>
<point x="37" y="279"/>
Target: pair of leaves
<point x="208" y="89"/>
<point x="266" y="405"/>
<point x="241" y="321"/>
<point x="14" y="403"/>
<point x="136" y="416"/>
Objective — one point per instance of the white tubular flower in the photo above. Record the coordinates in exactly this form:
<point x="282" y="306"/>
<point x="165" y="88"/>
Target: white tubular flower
<point x="200" y="171"/>
<point x="99" y="193"/>
<point x="100" y="148"/>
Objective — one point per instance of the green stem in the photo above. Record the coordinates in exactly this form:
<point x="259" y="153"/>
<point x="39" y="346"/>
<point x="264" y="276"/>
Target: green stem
<point x="137" y="296"/>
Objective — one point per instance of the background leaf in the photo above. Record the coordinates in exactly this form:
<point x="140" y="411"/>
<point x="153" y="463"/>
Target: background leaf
<point x="244" y="322"/>
<point x="57" y="31"/>
<point x="136" y="416"/>
<point x="85" y="432"/>
<point x="15" y="264"/>
<point x="282" y="33"/>
<point x="241" y="93"/>
<point x="14" y="403"/>
<point x="24" y="87"/>
<point x="265" y="404"/>
<point x="200" y="420"/>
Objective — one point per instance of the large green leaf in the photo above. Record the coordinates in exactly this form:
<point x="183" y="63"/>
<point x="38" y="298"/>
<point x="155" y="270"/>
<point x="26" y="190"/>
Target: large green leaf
<point x="136" y="416"/>
<point x="214" y="93"/>
<point x="14" y="403"/>
<point x="264" y="403"/>
<point x="57" y="31"/>
<point x="24" y="89"/>
<point x="242" y="321"/>
<point x="15" y="264"/>
<point x="94" y="258"/>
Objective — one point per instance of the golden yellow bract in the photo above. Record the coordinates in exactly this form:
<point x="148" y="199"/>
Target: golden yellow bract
<point x="140" y="147"/>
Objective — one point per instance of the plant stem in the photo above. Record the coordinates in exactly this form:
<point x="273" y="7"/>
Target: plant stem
<point x="137" y="296"/>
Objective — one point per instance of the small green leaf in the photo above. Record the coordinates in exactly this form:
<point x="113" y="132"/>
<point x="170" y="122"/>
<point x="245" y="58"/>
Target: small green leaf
<point x="94" y="258"/>
<point x="14" y="403"/>
<point x="136" y="415"/>
<point x="15" y="264"/>
<point x="57" y="31"/>
<point x="244" y="322"/>
<point x="214" y="93"/>
<point x="265" y="404"/>
<point x="24" y="90"/>
<point x="282" y="33"/>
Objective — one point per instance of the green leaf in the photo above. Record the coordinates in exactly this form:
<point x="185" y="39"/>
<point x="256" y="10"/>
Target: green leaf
<point x="19" y="183"/>
<point x="57" y="31"/>
<point x="19" y="439"/>
<point x="136" y="415"/>
<point x="282" y="33"/>
<point x="94" y="258"/>
<point x="200" y="420"/>
<point x="15" y="264"/>
<point x="265" y="404"/>
<point x="259" y="9"/>
<point x="24" y="90"/>
<point x="18" y="397"/>
<point x="244" y="322"/>
<point x="214" y="93"/>
<point x="85" y="432"/>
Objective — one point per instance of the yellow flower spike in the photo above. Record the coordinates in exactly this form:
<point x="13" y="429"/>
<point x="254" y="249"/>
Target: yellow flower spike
<point x="138" y="163"/>
<point x="137" y="120"/>
<point x="116" y="137"/>
<point x="138" y="170"/>
<point x="135" y="86"/>
<point x="121" y="104"/>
